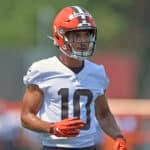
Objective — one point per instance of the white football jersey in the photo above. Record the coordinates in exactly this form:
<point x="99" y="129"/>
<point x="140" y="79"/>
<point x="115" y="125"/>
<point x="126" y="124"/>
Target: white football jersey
<point x="67" y="94"/>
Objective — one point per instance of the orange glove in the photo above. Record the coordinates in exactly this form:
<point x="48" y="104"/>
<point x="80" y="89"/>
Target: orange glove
<point x="69" y="127"/>
<point x="120" y="144"/>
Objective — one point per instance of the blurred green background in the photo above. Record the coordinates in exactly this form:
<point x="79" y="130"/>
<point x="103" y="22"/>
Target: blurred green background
<point x="123" y="40"/>
<point x="123" y="27"/>
<point x="19" y="19"/>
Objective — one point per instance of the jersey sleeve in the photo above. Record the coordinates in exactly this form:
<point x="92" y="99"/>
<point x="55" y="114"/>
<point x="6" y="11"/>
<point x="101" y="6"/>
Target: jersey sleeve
<point x="34" y="76"/>
<point x="104" y="80"/>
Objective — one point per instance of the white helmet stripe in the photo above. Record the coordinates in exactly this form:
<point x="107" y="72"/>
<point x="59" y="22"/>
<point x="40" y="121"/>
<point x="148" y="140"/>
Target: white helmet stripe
<point x="80" y="11"/>
<point x="81" y="15"/>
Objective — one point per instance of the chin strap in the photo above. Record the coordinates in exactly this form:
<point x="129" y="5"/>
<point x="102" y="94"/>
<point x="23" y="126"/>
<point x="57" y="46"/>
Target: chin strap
<point x="50" y="37"/>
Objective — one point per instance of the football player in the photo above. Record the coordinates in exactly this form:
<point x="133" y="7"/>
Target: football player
<point x="62" y="91"/>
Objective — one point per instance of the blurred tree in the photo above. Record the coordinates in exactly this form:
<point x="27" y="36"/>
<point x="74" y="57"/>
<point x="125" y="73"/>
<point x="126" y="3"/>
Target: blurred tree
<point x="135" y="41"/>
<point x="111" y="19"/>
<point x="123" y="25"/>
<point x="144" y="53"/>
<point x="18" y="24"/>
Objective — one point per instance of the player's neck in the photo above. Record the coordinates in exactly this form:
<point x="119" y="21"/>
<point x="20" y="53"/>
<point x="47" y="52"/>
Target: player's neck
<point x="70" y="62"/>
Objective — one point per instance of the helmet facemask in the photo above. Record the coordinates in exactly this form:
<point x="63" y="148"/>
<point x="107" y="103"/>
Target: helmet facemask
<point x="79" y="49"/>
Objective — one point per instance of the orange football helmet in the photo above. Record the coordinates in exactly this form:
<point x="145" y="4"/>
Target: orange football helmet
<point x="74" y="18"/>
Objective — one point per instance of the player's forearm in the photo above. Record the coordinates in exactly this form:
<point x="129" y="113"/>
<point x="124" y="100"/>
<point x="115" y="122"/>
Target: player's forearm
<point x="109" y="126"/>
<point x="32" y="122"/>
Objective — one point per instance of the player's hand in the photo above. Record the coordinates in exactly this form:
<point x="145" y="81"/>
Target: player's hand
<point x="69" y="127"/>
<point x="120" y="144"/>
